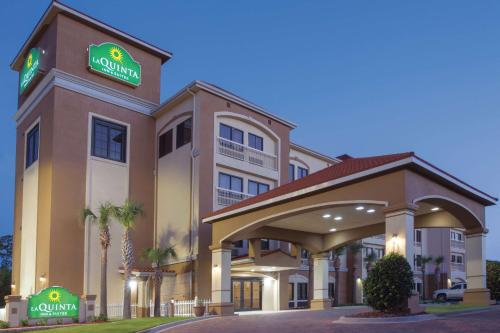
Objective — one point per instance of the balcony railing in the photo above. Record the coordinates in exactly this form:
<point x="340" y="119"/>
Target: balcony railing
<point x="248" y="154"/>
<point x="457" y="267"/>
<point x="227" y="197"/>
<point x="457" y="244"/>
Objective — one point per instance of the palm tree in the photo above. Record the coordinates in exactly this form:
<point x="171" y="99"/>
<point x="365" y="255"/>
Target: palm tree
<point x="422" y="261"/>
<point x="336" y="253"/>
<point x="127" y="215"/>
<point x="157" y="256"/>
<point x="370" y="260"/>
<point x="437" y="270"/>
<point x="103" y="222"/>
<point x="354" y="248"/>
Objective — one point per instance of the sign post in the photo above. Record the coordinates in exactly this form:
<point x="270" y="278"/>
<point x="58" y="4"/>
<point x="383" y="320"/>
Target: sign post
<point x="53" y="302"/>
<point x="113" y="61"/>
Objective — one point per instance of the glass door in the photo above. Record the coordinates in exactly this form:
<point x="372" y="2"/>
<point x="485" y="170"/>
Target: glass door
<point x="247" y="294"/>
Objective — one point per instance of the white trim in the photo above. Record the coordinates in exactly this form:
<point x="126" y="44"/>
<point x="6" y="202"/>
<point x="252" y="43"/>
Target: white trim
<point x="57" y="7"/>
<point x="309" y="151"/>
<point x="56" y="77"/>
<point x="355" y="176"/>
<point x="226" y="95"/>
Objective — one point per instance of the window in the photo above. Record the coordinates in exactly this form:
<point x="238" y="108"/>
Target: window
<point x="418" y="260"/>
<point x="456" y="236"/>
<point x="291" y="172"/>
<point x="302" y="172"/>
<point x="183" y="133"/>
<point x="418" y="236"/>
<point x="238" y="244"/>
<point x="301" y="291"/>
<point x="165" y="144"/>
<point x="457" y="259"/>
<point x="255" y="188"/>
<point x="290" y="292"/>
<point x="255" y="141"/>
<point x="304" y="254"/>
<point x="231" y="133"/>
<point x="32" y="143"/>
<point x="264" y="244"/>
<point x="230" y="182"/>
<point x="109" y="140"/>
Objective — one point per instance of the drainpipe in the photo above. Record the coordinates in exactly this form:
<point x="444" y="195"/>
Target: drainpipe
<point x="194" y="154"/>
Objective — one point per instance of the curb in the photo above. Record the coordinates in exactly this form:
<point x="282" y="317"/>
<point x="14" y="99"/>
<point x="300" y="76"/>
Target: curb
<point x="466" y="312"/>
<point x="166" y="327"/>
<point x="388" y="320"/>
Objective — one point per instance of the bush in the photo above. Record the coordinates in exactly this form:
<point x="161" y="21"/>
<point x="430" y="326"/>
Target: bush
<point x="493" y="278"/>
<point x="4" y="324"/>
<point x="389" y="284"/>
<point x="101" y="317"/>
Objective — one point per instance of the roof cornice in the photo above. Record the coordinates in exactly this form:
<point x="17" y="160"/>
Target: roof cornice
<point x="319" y="155"/>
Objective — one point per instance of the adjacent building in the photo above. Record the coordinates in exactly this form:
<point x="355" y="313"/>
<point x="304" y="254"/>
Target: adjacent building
<point x="91" y="129"/>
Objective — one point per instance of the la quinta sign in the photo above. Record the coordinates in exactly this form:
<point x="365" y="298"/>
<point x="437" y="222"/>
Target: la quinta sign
<point x="114" y="61"/>
<point x="31" y="68"/>
<point x="53" y="302"/>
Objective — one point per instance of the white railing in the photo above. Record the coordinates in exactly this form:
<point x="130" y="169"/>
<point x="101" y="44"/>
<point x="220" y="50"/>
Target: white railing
<point x="3" y="315"/>
<point x="185" y="308"/>
<point x="457" y="244"/>
<point x="457" y="267"/>
<point x="116" y="310"/>
<point x="227" y="197"/>
<point x="245" y="153"/>
<point x="304" y="263"/>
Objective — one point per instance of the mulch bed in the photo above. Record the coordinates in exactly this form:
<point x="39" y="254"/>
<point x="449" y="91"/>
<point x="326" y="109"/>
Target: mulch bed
<point x="378" y="314"/>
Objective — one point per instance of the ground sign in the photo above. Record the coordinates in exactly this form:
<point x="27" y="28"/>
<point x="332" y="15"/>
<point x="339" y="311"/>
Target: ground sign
<point x="53" y="302"/>
<point x="114" y="61"/>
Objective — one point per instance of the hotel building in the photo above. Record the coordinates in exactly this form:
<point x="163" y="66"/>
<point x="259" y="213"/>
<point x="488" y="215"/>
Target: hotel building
<point x="253" y="216"/>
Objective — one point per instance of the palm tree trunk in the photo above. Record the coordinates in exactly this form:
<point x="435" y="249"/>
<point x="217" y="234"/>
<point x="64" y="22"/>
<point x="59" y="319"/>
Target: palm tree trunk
<point x="158" y="280"/>
<point x="128" y="260"/>
<point x="103" y="310"/>
<point x="437" y="278"/>
<point x="336" y="265"/>
<point x="423" y="284"/>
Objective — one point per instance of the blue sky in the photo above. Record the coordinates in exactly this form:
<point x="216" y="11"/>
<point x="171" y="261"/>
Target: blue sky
<point x="358" y="77"/>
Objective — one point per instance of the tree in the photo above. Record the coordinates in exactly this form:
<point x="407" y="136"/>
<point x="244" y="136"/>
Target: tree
<point x="389" y="284"/>
<point x="370" y="259"/>
<point x="5" y="267"/>
<point x="156" y="256"/>
<point x="336" y="253"/>
<point x="354" y="248"/>
<point x="493" y="278"/>
<point x="437" y="271"/>
<point x="126" y="216"/>
<point x="103" y="221"/>
<point x="421" y="262"/>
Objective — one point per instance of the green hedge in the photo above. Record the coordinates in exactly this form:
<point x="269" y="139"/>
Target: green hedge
<point x="389" y="284"/>
<point x="493" y="278"/>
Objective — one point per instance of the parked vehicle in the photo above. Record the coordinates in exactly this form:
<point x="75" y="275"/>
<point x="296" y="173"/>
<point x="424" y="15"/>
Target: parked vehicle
<point x="454" y="293"/>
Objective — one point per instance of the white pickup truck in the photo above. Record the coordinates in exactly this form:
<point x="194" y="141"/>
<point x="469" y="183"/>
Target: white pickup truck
<point x="454" y="293"/>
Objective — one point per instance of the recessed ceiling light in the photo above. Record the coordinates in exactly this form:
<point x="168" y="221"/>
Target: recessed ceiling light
<point x="253" y="270"/>
<point x="435" y="209"/>
<point x="327" y="216"/>
<point x="360" y="208"/>
<point x="371" y="211"/>
<point x="333" y="230"/>
<point x="337" y="218"/>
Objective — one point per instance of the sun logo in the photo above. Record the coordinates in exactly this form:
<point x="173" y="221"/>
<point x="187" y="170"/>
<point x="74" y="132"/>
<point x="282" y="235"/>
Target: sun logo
<point x="54" y="296"/>
<point x="116" y="54"/>
<point x="29" y="62"/>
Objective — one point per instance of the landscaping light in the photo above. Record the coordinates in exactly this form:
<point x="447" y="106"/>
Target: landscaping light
<point x="327" y="216"/>
<point x="360" y="208"/>
<point x="370" y="211"/>
<point x="337" y="218"/>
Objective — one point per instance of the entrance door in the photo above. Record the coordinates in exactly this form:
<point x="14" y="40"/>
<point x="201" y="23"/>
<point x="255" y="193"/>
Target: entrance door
<point x="247" y="294"/>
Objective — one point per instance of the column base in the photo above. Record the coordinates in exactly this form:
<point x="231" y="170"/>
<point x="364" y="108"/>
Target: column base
<point x="221" y="309"/>
<point x="321" y="304"/>
<point x="477" y="296"/>
<point x="142" y="312"/>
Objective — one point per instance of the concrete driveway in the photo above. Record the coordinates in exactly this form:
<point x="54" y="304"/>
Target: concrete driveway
<point x="322" y="321"/>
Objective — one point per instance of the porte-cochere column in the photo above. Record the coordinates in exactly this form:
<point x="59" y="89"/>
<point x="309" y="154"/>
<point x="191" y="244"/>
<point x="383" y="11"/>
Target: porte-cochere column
<point x="221" y="280"/>
<point x="476" y="292"/>
<point x="399" y="231"/>
<point x="320" y="283"/>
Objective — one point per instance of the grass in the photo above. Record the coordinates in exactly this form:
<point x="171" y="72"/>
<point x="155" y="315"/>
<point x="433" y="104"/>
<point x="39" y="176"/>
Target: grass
<point x="449" y="308"/>
<point x="118" y="326"/>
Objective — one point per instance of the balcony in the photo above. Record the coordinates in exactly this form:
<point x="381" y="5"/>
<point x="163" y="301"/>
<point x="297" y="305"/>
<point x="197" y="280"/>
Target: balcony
<point x="248" y="154"/>
<point x="457" y="244"/>
<point x="227" y="197"/>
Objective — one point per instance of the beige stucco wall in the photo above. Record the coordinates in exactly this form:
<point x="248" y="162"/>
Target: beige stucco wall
<point x="308" y="161"/>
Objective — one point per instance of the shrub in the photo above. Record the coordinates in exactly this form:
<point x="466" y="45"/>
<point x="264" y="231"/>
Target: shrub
<point x="389" y="284"/>
<point x="24" y="322"/>
<point x="101" y="317"/>
<point x="4" y="324"/>
<point x="493" y="278"/>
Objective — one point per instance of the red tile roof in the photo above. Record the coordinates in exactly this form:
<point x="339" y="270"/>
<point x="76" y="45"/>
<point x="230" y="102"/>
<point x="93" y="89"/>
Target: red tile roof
<point x="346" y="168"/>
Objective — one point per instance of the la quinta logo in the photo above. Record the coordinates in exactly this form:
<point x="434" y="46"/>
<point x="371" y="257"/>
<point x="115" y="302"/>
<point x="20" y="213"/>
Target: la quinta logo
<point x="31" y="68"/>
<point x="114" y="61"/>
<point x="53" y="302"/>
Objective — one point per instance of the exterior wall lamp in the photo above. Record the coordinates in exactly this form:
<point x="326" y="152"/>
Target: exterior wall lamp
<point x="395" y="240"/>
